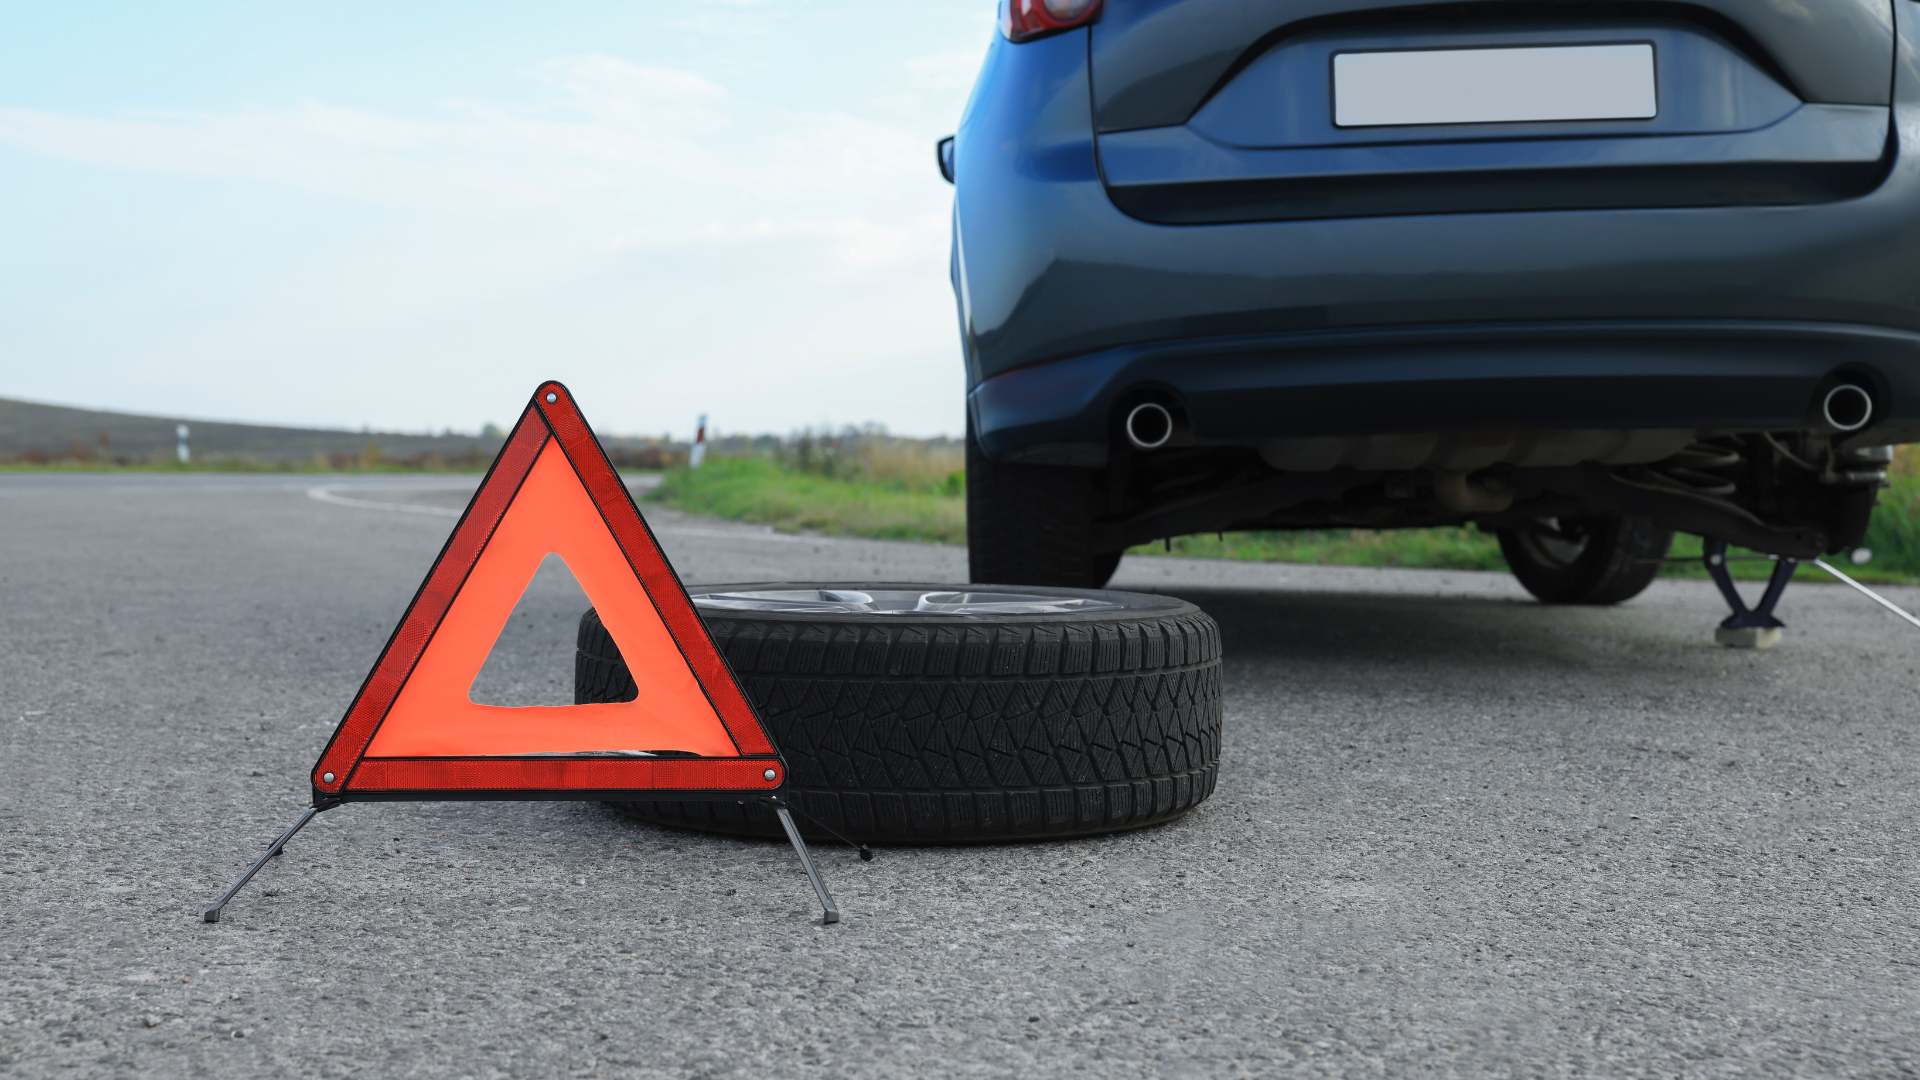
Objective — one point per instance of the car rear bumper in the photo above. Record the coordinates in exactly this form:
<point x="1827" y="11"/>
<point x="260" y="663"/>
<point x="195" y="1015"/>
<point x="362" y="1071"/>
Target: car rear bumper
<point x="1613" y="375"/>
<point x="1709" y="317"/>
<point x="1818" y="153"/>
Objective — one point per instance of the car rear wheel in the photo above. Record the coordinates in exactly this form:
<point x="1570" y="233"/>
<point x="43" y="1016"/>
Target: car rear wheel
<point x="930" y="714"/>
<point x="1586" y="560"/>
<point x="1033" y="524"/>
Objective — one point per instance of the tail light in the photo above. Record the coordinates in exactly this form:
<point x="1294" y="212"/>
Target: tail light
<point x="1021" y="20"/>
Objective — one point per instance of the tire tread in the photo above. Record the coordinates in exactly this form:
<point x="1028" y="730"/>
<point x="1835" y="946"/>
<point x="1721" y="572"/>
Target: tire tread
<point x="1033" y="524"/>
<point x="1624" y="560"/>
<point x="958" y="733"/>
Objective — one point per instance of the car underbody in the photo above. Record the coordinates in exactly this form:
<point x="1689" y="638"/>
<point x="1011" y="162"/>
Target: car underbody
<point x="1791" y="493"/>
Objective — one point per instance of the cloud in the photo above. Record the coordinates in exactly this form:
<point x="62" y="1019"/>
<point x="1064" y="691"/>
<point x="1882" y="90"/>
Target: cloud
<point x="952" y="69"/>
<point x="756" y="18"/>
<point x="603" y="148"/>
<point x="671" y="241"/>
<point x="607" y="89"/>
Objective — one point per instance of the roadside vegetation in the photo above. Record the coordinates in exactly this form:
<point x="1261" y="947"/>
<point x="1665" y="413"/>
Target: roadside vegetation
<point x="39" y="438"/>
<point x="860" y="482"/>
<point x="1446" y="549"/>
<point x="1895" y="562"/>
<point x="1894" y="540"/>
<point x="333" y="463"/>
<point x="864" y="483"/>
<point x="626" y="454"/>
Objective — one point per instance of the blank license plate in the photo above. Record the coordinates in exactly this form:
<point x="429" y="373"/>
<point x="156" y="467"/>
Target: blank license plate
<point x="1493" y="86"/>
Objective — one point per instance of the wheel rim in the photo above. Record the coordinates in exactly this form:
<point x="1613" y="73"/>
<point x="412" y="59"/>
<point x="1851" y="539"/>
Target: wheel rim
<point x="1557" y="543"/>
<point x="900" y="602"/>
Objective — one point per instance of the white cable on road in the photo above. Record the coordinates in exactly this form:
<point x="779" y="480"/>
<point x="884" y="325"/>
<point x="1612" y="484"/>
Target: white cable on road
<point x="1871" y="595"/>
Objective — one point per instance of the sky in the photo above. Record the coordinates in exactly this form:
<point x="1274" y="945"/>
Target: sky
<point x="342" y="213"/>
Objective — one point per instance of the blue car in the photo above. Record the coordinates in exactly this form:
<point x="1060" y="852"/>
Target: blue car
<point x="1582" y="274"/>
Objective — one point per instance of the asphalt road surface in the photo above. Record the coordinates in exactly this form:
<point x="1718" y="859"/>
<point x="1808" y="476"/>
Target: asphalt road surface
<point x="1456" y="833"/>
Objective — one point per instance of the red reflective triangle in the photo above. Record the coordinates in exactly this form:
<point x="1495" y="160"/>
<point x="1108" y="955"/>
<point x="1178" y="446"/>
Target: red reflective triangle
<point x="413" y="732"/>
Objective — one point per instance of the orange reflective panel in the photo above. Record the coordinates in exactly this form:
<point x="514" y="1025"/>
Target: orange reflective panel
<point x="434" y="714"/>
<point x="414" y="730"/>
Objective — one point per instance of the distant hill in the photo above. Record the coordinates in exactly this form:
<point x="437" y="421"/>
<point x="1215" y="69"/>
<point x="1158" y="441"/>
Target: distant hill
<point x="44" y="433"/>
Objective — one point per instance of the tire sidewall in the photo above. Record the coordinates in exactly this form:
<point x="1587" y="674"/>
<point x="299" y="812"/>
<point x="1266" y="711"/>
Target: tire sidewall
<point x="1619" y="561"/>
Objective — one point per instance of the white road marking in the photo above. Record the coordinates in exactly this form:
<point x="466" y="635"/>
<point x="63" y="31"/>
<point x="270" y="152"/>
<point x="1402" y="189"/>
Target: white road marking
<point x="326" y="495"/>
<point x="768" y="534"/>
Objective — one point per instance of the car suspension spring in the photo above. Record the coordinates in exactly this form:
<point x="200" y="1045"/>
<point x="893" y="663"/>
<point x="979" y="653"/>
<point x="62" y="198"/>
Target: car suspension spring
<point x="1697" y="469"/>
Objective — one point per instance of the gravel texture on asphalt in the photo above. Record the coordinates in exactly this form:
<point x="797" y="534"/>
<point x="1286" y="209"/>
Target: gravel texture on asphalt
<point x="1456" y="832"/>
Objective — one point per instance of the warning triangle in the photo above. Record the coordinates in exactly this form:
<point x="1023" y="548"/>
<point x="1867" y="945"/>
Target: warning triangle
<point x="414" y="732"/>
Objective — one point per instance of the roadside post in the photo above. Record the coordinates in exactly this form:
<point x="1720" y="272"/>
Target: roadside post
<point x="413" y="734"/>
<point x="699" y="452"/>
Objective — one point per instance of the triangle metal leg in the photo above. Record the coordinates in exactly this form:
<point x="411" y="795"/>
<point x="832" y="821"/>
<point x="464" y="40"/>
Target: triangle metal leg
<point x="213" y="913"/>
<point x="806" y="860"/>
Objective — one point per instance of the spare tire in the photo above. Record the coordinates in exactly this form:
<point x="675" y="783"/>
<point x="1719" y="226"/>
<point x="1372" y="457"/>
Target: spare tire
<point x="942" y="714"/>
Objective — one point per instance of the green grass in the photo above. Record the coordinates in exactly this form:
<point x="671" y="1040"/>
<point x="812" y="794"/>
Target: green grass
<point x="931" y="509"/>
<point x="1894" y="539"/>
<point x="1469" y="549"/>
<point x="762" y="490"/>
<point x="1448" y="548"/>
<point x="1894" y="536"/>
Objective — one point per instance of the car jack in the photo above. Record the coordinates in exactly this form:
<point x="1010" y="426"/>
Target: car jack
<point x="1748" y="628"/>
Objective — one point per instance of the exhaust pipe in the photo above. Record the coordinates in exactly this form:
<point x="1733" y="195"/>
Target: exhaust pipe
<point x="1462" y="495"/>
<point x="1847" y="407"/>
<point x="1149" y="426"/>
